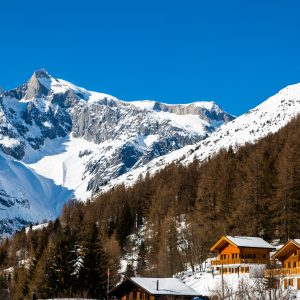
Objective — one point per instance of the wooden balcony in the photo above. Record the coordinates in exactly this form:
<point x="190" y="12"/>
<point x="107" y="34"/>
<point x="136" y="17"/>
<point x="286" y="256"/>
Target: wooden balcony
<point x="239" y="261"/>
<point x="282" y="272"/>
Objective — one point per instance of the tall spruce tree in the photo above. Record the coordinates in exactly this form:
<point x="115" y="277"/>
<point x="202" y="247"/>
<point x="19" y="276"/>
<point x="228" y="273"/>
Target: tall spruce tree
<point x="61" y="267"/>
<point x="124" y="224"/>
<point x="92" y="277"/>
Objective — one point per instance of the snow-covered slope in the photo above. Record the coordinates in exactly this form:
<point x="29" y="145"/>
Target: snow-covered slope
<point x="26" y="197"/>
<point x="80" y="140"/>
<point x="266" y="118"/>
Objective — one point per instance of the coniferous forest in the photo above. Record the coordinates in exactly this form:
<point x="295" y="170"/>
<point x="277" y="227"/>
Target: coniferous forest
<point x="167" y="222"/>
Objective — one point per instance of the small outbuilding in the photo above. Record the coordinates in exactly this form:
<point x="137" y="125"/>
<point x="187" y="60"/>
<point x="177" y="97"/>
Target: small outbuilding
<point x="142" y="288"/>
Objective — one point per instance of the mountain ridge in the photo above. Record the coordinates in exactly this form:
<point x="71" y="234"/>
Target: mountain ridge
<point x="80" y="139"/>
<point x="267" y="117"/>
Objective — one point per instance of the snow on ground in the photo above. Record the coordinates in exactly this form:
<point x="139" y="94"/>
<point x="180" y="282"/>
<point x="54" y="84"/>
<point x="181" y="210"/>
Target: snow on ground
<point x="60" y="86"/>
<point x="36" y="227"/>
<point x="144" y="104"/>
<point x="189" y="122"/>
<point x="150" y="104"/>
<point x="9" y="142"/>
<point x="150" y="139"/>
<point x="64" y="162"/>
<point x="206" y="284"/>
<point x="29" y="190"/>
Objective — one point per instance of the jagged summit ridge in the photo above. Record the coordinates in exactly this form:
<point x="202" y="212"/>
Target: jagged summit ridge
<point x="78" y="140"/>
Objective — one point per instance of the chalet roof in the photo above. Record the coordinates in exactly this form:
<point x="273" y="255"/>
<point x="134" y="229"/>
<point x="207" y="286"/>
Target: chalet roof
<point x="297" y="241"/>
<point x="166" y="286"/>
<point x="243" y="242"/>
<point x="287" y="249"/>
<point x="249" y="241"/>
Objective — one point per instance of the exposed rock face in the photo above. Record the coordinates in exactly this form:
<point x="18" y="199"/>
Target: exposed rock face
<point x="110" y="136"/>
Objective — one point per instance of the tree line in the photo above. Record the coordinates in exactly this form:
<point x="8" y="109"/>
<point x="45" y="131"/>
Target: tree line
<point x="166" y="222"/>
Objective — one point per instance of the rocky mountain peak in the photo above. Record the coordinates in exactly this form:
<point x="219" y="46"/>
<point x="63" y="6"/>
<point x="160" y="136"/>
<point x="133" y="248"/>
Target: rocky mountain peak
<point x="38" y="85"/>
<point x="42" y="73"/>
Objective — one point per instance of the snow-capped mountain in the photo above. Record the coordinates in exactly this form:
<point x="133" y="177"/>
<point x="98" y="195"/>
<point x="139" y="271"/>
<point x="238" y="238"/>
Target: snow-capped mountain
<point x="266" y="118"/>
<point x="59" y="141"/>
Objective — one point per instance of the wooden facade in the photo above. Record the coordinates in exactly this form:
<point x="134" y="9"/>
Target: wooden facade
<point x="131" y="290"/>
<point x="288" y="261"/>
<point x="236" y="258"/>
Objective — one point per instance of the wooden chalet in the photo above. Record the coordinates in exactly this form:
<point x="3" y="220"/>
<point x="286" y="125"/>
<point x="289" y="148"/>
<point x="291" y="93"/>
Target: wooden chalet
<point x="288" y="260"/>
<point x="240" y="254"/>
<point x="141" y="288"/>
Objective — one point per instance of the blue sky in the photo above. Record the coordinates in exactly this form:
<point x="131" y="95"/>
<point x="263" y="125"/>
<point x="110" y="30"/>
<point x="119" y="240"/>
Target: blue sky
<point x="235" y="52"/>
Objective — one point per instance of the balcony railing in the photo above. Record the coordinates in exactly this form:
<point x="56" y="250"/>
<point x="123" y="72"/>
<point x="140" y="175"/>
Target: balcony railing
<point x="239" y="261"/>
<point x="282" y="272"/>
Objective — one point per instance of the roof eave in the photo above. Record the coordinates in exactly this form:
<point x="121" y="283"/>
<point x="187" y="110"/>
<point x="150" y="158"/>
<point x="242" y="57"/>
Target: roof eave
<point x="213" y="248"/>
<point x="267" y="248"/>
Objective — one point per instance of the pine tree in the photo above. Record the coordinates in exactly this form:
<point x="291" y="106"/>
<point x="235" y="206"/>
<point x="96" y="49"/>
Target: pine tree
<point x="124" y="224"/>
<point x="61" y="267"/>
<point x="129" y="271"/>
<point x="92" y="277"/>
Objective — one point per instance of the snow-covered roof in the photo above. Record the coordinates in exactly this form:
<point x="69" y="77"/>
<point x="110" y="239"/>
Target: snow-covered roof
<point x="297" y="241"/>
<point x="242" y="241"/>
<point x="249" y="241"/>
<point x="166" y="286"/>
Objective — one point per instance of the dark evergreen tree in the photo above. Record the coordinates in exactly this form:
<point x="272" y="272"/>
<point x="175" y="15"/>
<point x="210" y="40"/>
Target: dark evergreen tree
<point x="129" y="271"/>
<point x="92" y="276"/>
<point x="124" y="224"/>
<point x="61" y="269"/>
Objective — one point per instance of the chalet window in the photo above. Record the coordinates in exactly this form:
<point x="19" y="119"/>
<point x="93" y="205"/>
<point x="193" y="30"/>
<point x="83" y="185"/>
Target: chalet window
<point x="291" y="282"/>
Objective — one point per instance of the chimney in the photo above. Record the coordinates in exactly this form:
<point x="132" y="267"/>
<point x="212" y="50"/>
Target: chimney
<point x="157" y="285"/>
